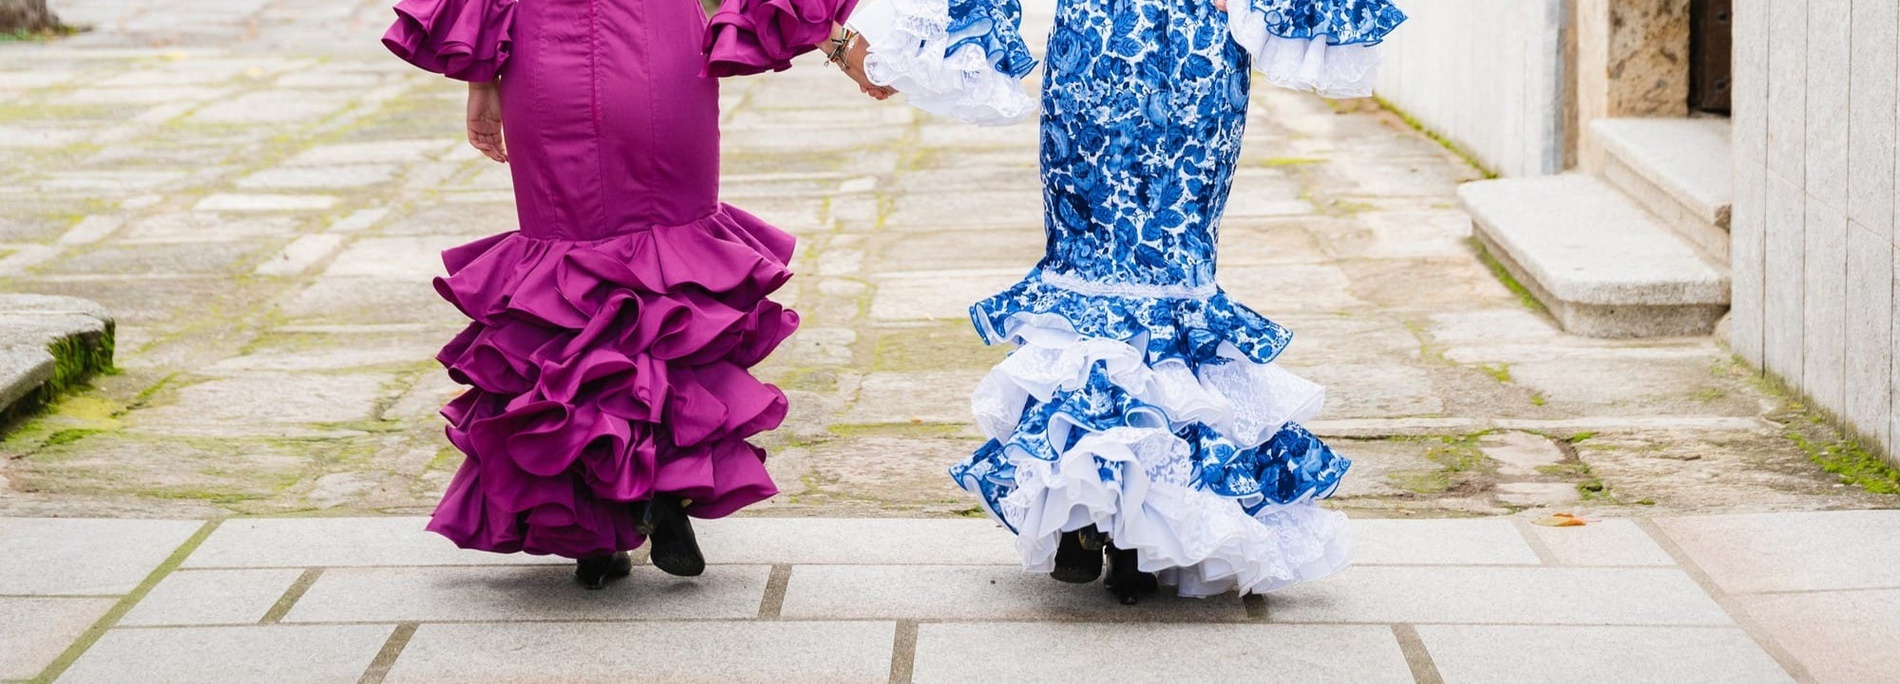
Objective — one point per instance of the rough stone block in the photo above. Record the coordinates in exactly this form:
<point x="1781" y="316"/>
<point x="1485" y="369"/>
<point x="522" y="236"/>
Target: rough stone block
<point x="1787" y="89"/>
<point x="233" y="202"/>
<point x="937" y="295"/>
<point x="855" y="592"/>
<point x="1837" y="636"/>
<point x="1493" y="653"/>
<point x="1830" y="46"/>
<point x="1749" y="96"/>
<point x="1790" y="551"/>
<point x="1824" y="306"/>
<point x="22" y="371"/>
<point x="1439" y="542"/>
<point x="34" y="631"/>
<point x="1748" y="252"/>
<point x="1531" y="596"/>
<point x="264" y="401"/>
<point x="1040" y="652"/>
<point x="212" y="597"/>
<point x="1602" y="265"/>
<point x="337" y="542"/>
<point x="1687" y="160"/>
<point x="1869" y="337"/>
<point x="762" y="652"/>
<point x="401" y="258"/>
<point x="1783" y="282"/>
<point x="545" y="592"/>
<point x="84" y="557"/>
<point x="848" y="541"/>
<point x="273" y="653"/>
<point x="1873" y="116"/>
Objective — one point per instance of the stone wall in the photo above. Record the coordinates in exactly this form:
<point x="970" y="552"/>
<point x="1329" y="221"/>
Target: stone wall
<point x="1632" y="61"/>
<point x="1487" y="75"/>
<point x="1813" y="247"/>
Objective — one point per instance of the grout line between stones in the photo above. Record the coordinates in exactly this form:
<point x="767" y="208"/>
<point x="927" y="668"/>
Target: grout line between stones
<point x="904" y="652"/>
<point x="291" y="595"/>
<point x="773" y="603"/>
<point x="111" y="618"/>
<point x="1536" y="542"/>
<point x="1728" y="604"/>
<point x="1417" y="657"/>
<point x="386" y="658"/>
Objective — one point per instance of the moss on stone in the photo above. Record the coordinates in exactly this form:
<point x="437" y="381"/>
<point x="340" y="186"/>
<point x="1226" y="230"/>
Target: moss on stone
<point x="76" y="359"/>
<point x="1504" y="276"/>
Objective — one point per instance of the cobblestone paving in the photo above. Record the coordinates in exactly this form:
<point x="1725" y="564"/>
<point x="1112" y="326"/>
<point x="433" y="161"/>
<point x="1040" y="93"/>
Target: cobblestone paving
<point x="259" y="193"/>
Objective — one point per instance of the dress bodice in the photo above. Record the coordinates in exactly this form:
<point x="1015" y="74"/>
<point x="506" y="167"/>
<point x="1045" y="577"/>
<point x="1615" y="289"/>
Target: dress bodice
<point x="1146" y="102"/>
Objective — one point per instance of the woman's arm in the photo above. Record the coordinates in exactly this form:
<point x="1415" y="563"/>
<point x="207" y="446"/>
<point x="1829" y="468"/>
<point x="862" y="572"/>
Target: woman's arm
<point x="484" y="119"/>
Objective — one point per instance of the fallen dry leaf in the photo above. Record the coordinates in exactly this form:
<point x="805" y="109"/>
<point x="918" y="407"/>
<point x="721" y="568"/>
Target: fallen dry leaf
<point x="1560" y="520"/>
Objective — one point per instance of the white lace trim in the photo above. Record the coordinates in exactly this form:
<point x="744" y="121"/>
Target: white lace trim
<point x="908" y="44"/>
<point x="1335" y="71"/>
<point x="1243" y="401"/>
<point x="1201" y="543"/>
<point x="1097" y="288"/>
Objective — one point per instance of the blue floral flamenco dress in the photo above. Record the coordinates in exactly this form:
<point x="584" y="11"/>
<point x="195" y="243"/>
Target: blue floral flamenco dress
<point x="1141" y="400"/>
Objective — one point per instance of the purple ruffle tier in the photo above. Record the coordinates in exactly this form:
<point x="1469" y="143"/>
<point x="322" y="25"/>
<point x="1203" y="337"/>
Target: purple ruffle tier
<point x="462" y="39"/>
<point x="751" y="36"/>
<point x="604" y="372"/>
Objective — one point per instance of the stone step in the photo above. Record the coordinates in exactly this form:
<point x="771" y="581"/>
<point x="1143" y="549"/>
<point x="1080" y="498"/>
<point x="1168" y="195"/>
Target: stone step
<point x="1678" y="169"/>
<point x="48" y="343"/>
<point x="1604" y="266"/>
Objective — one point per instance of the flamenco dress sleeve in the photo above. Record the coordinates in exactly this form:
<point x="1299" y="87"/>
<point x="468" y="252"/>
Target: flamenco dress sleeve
<point x="963" y="59"/>
<point x="465" y="40"/>
<point x="1329" y="47"/>
<point x="753" y="36"/>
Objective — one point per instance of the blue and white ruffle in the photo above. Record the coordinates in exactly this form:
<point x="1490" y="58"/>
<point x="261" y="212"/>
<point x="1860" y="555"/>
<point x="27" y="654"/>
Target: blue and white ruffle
<point x="963" y="59"/>
<point x="1189" y="453"/>
<point x="1329" y="47"/>
<point x="1190" y="329"/>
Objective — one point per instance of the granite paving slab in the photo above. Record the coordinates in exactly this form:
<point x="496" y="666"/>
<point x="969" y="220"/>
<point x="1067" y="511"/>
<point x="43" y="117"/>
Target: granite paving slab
<point x="74" y="556"/>
<point x="764" y="652"/>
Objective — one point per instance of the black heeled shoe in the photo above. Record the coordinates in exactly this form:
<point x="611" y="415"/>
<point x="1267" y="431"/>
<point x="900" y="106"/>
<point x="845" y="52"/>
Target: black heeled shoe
<point x="594" y="573"/>
<point x="1125" y="578"/>
<point x="675" y="550"/>
<point x="1079" y="556"/>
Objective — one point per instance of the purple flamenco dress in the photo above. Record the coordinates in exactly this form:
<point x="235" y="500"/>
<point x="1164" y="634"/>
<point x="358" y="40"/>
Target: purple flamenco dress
<point x="607" y="361"/>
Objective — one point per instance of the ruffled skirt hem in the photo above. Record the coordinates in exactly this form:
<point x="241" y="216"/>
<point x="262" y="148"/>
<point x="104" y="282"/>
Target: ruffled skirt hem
<point x="604" y="372"/>
<point x="1189" y="451"/>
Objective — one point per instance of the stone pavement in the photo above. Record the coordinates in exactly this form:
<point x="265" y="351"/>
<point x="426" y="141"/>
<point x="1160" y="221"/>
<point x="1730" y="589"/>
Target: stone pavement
<point x="1734" y="598"/>
<point x="258" y="194"/>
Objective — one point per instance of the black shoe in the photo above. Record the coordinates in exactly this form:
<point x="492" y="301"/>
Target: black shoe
<point x="1125" y="578"/>
<point x="1079" y="556"/>
<point x="675" y="550"/>
<point x="594" y="573"/>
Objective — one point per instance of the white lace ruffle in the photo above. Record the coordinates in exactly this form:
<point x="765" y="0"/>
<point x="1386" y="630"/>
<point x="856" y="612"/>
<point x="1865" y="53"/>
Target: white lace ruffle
<point x="908" y="40"/>
<point x="1245" y="402"/>
<point x="1335" y="71"/>
<point x="1096" y="288"/>
<point x="1199" y="542"/>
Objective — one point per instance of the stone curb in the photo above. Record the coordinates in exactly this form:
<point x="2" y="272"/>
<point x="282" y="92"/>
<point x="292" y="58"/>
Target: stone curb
<point x="47" y="344"/>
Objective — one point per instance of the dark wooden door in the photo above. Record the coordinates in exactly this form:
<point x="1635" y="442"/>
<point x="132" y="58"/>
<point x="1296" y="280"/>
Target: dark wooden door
<point x="1711" y="42"/>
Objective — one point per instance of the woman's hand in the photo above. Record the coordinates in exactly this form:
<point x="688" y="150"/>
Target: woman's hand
<point x="484" y="120"/>
<point x="852" y="63"/>
<point x="1220" y="5"/>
